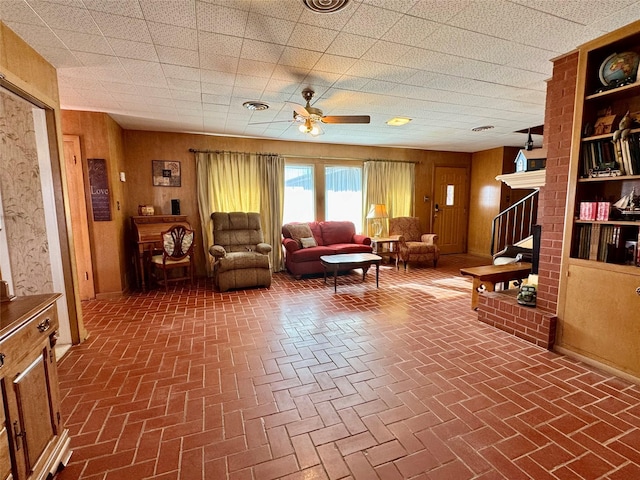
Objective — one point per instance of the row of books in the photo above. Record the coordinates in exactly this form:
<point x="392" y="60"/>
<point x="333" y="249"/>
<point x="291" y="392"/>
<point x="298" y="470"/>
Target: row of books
<point x="608" y="243"/>
<point x="606" y="157"/>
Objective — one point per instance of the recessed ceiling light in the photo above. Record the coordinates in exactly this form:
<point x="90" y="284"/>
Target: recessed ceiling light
<point x="482" y="128"/>
<point x="325" y="6"/>
<point x="398" y="121"/>
<point x="255" y="105"/>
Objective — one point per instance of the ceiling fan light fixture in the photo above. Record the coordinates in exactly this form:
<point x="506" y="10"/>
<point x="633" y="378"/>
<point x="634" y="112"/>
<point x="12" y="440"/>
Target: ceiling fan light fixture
<point x="255" y="105"/>
<point x="398" y="121"/>
<point x="325" y="6"/>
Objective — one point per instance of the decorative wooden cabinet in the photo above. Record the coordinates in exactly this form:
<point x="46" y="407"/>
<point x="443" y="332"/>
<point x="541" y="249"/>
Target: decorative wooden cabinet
<point x="600" y="294"/>
<point x="33" y="441"/>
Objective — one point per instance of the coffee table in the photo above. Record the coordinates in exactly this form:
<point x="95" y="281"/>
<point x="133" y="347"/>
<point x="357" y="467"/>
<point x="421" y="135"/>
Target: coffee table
<point x="348" y="261"/>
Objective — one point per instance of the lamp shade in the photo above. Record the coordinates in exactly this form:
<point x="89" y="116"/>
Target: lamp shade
<point x="377" y="210"/>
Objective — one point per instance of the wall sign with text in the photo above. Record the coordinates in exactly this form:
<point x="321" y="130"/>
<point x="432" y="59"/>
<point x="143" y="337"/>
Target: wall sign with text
<point x="99" y="187"/>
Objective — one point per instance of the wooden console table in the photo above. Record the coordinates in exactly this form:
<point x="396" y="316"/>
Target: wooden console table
<point x="489" y="275"/>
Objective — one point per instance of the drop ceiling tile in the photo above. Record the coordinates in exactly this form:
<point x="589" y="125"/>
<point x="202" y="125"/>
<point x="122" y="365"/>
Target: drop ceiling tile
<point x="180" y="14"/>
<point x="190" y="105"/>
<point x="221" y="19"/>
<point x="334" y="21"/>
<point x="186" y="95"/>
<point x="290" y="73"/>
<point x="124" y="8"/>
<point x="97" y="60"/>
<point x="617" y="19"/>
<point x="298" y="57"/>
<point x="222" y="63"/>
<point x="19" y="11"/>
<point x="410" y="31"/>
<point x="84" y="42"/>
<point x="440" y="11"/>
<point x="151" y="91"/>
<point x="282" y="87"/>
<point x="140" y="69"/>
<point x="348" y="45"/>
<point x="119" y="26"/>
<point x="178" y="56"/>
<point x="217" y="43"/>
<point x="578" y="11"/>
<point x="386" y="52"/>
<point x="349" y="82"/>
<point x="312" y="38"/>
<point x="134" y="50"/>
<point x="245" y="93"/>
<point x="116" y="87"/>
<point x="268" y="29"/>
<point x="320" y="80"/>
<point x="247" y="81"/>
<point x="334" y="64"/>
<point x="380" y="71"/>
<point x="282" y="9"/>
<point x="59" y="57"/>
<point x="255" y="68"/>
<point x="370" y="21"/>
<point x="35" y="35"/>
<point x="262" y="51"/>
<point x="182" y="84"/>
<point x="395" y="5"/>
<point x="87" y="84"/>
<point x="64" y="17"/>
<point x="172" y="36"/>
<point x="218" y="80"/>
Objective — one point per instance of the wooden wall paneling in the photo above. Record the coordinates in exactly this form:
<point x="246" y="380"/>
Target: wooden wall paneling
<point x="140" y="147"/>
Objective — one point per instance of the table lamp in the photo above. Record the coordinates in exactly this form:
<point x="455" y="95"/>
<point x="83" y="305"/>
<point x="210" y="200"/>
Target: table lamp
<point x="377" y="211"/>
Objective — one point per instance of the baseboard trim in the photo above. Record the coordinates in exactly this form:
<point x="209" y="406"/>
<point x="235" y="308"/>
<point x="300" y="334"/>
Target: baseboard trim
<point x="594" y="363"/>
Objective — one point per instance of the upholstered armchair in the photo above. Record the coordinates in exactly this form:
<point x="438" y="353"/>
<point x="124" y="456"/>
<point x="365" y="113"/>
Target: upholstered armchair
<point x="412" y="244"/>
<point x="240" y="256"/>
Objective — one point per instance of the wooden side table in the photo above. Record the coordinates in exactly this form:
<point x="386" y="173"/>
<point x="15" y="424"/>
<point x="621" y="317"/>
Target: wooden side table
<point x="489" y="275"/>
<point x="391" y="252"/>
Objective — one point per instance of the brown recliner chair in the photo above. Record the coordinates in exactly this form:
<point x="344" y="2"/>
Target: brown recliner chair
<point x="240" y="256"/>
<point x="412" y="244"/>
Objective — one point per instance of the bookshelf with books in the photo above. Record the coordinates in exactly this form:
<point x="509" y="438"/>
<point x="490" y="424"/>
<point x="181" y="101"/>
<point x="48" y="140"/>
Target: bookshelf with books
<point x="599" y="296"/>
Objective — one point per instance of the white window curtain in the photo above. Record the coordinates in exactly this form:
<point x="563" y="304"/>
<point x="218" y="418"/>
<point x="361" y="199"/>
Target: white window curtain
<point x="242" y="182"/>
<point x="391" y="184"/>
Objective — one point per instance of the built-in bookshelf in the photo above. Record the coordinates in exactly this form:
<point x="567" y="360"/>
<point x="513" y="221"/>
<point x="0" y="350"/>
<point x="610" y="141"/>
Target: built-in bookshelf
<point x="607" y="193"/>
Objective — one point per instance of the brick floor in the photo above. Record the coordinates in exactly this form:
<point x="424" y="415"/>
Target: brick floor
<point x="299" y="382"/>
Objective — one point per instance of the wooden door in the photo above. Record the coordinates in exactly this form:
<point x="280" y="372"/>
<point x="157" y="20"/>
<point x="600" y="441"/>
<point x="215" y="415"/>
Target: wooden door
<point x="79" y="219"/>
<point x="451" y="196"/>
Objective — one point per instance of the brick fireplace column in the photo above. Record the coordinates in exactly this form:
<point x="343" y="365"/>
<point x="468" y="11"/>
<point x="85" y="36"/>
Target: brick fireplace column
<point x="538" y="325"/>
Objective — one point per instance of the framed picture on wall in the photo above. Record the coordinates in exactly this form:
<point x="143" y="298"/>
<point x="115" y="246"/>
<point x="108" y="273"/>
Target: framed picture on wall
<point x="166" y="173"/>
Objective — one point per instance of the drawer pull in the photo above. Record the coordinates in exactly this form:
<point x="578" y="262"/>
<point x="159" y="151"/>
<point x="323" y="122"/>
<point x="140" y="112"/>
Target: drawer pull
<point x="44" y="325"/>
<point x="638" y="290"/>
<point x="2" y="357"/>
<point x="18" y="434"/>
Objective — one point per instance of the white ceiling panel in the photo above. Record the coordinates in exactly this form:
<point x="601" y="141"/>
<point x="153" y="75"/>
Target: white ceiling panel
<point x="188" y="65"/>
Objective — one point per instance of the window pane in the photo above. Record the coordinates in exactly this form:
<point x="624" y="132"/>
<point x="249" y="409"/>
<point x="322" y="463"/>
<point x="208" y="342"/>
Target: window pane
<point x="298" y="194"/>
<point x="343" y="186"/>
<point x="450" y="195"/>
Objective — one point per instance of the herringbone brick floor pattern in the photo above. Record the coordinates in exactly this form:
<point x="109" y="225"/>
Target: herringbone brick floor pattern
<point x="299" y="382"/>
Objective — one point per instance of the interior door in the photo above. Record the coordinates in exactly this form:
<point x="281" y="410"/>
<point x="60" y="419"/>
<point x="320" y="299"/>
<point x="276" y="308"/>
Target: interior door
<point x="451" y="196"/>
<point x="79" y="222"/>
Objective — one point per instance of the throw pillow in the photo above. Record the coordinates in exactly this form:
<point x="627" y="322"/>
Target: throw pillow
<point x="299" y="230"/>
<point x="308" y="242"/>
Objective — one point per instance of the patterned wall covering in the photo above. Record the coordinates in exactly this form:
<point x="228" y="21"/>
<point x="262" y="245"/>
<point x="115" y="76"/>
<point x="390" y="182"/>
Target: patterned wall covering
<point x="22" y="198"/>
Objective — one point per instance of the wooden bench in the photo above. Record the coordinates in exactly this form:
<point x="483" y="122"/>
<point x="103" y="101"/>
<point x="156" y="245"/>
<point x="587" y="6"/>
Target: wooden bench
<point x="489" y="275"/>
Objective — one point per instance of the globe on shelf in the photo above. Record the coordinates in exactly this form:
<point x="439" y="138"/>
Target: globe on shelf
<point x="619" y="69"/>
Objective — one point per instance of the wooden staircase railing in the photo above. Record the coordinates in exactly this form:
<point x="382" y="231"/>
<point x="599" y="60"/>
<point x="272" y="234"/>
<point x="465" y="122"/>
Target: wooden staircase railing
<point x="515" y="223"/>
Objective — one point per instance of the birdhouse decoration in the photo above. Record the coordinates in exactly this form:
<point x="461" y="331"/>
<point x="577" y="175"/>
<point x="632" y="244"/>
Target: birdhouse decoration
<point x="529" y="160"/>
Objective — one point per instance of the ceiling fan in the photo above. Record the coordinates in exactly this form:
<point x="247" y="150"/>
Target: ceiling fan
<point x="309" y="116"/>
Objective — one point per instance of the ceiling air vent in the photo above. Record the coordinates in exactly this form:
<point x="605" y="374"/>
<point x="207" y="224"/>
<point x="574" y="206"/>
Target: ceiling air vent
<point x="325" y="6"/>
<point x="255" y="105"/>
<point x="482" y="128"/>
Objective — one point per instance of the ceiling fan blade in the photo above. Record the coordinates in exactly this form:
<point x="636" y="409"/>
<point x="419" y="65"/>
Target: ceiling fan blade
<point x="273" y="121"/>
<point x="346" y="119"/>
<point x="300" y="110"/>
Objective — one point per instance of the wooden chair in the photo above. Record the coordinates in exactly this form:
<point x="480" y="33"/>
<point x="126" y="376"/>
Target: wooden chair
<point x="177" y="252"/>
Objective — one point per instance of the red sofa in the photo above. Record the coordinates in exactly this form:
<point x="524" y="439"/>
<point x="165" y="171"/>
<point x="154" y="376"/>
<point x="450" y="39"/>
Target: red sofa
<point x="331" y="238"/>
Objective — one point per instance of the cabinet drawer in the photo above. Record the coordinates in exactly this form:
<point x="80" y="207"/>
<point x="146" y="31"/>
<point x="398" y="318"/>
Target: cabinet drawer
<point x="32" y="333"/>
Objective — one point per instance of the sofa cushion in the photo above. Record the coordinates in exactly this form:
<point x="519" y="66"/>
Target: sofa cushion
<point x="310" y="254"/>
<point x="298" y="231"/>
<point x="340" y="248"/>
<point x="308" y="242"/>
<point x="337" y="232"/>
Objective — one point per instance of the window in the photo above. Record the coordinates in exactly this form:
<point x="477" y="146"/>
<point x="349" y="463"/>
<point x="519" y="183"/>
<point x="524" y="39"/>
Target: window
<point x="343" y="194"/>
<point x="450" y="195"/>
<point x="299" y="205"/>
